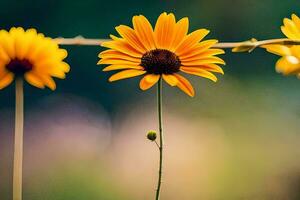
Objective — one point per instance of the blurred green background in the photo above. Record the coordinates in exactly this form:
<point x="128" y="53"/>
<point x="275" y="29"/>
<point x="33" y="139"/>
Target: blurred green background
<point x="237" y="139"/>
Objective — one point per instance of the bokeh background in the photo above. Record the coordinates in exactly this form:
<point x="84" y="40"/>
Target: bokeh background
<point x="237" y="139"/>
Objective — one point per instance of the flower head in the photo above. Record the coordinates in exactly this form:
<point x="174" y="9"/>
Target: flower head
<point x="161" y="53"/>
<point x="30" y="55"/>
<point x="289" y="63"/>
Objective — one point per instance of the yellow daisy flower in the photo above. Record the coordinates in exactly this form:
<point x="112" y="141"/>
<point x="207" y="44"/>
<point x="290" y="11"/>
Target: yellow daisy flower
<point x="30" y="55"/>
<point x="289" y="64"/>
<point x="161" y="53"/>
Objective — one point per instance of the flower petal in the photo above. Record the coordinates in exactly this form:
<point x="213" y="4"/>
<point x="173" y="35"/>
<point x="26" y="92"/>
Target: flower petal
<point x="185" y="85"/>
<point x="209" y="60"/>
<point x="148" y="81"/>
<point x="296" y="20"/>
<point x="170" y="79"/>
<point x="278" y="49"/>
<point x="159" y="31"/>
<point x="118" y="67"/>
<point x="199" y="72"/>
<point x="112" y="54"/>
<point x="34" y="80"/>
<point x="130" y="36"/>
<point x="191" y="40"/>
<point x="6" y="80"/>
<point x="126" y="74"/>
<point x="122" y="46"/>
<point x="206" y="54"/>
<point x="181" y="30"/>
<point x="144" y="31"/>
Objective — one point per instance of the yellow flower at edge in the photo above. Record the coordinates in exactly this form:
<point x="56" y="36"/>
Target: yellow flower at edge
<point x="289" y="63"/>
<point x="161" y="53"/>
<point x="30" y="55"/>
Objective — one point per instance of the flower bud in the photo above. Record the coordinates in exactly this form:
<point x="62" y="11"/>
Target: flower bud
<point x="151" y="135"/>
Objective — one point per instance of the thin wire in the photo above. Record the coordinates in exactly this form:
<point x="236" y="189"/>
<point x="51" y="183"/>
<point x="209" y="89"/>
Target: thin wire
<point x="79" y="40"/>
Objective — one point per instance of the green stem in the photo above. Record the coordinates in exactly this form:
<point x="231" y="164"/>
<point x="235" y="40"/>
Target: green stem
<point x="161" y="138"/>
<point x="18" y="147"/>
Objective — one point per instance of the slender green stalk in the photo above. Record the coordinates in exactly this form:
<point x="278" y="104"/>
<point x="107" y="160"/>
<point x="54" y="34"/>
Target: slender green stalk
<point x="161" y="137"/>
<point x="18" y="148"/>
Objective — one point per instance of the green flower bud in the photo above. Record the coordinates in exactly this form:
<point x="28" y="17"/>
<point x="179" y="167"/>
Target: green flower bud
<point x="151" y="135"/>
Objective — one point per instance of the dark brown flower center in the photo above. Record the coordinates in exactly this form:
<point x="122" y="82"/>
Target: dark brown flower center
<point x="160" y="61"/>
<point x="19" y="67"/>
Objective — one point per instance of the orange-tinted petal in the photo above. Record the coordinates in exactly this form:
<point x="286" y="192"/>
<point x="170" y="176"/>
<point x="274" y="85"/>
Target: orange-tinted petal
<point x="185" y="85"/>
<point x="181" y="30"/>
<point x="277" y="49"/>
<point x="199" y="48"/>
<point x="206" y="54"/>
<point x="148" y="81"/>
<point x="126" y="74"/>
<point x="199" y="72"/>
<point x="111" y="54"/>
<point x="118" y="67"/>
<point x="122" y="46"/>
<point x="209" y="60"/>
<point x="144" y="31"/>
<point x="6" y="80"/>
<point x="159" y="31"/>
<point x="112" y="61"/>
<point x="210" y="67"/>
<point x="34" y="80"/>
<point x="130" y="36"/>
<point x="190" y="41"/>
<point x="170" y="79"/>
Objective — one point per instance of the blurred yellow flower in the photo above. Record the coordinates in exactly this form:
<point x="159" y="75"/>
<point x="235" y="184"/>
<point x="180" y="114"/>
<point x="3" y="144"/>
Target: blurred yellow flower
<point x="289" y="63"/>
<point x="161" y="53"/>
<point x="30" y="55"/>
<point x="291" y="27"/>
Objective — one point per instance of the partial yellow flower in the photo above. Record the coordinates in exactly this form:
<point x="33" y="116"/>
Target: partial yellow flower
<point x="161" y="53"/>
<point x="289" y="63"/>
<point x="30" y="55"/>
<point x="291" y="27"/>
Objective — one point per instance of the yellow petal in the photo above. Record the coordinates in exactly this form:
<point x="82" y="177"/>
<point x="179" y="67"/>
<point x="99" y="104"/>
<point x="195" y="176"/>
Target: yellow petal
<point x="199" y="72"/>
<point x="181" y="30"/>
<point x="130" y="36"/>
<point x="6" y="80"/>
<point x="185" y="85"/>
<point x="206" y="54"/>
<point x="288" y="33"/>
<point x="118" y="67"/>
<point x="296" y="20"/>
<point x="48" y="81"/>
<point x="122" y="46"/>
<point x="159" y="31"/>
<point x="112" y="61"/>
<point x="170" y="79"/>
<point x="191" y="40"/>
<point x="148" y="81"/>
<point x="210" y="68"/>
<point x="126" y="74"/>
<point x="169" y="31"/>
<point x="112" y="54"/>
<point x="288" y="65"/>
<point x="34" y="80"/>
<point x="199" y="48"/>
<point x="278" y="49"/>
<point x="144" y="31"/>
<point x="209" y="60"/>
<point x="7" y="43"/>
<point x="291" y="27"/>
